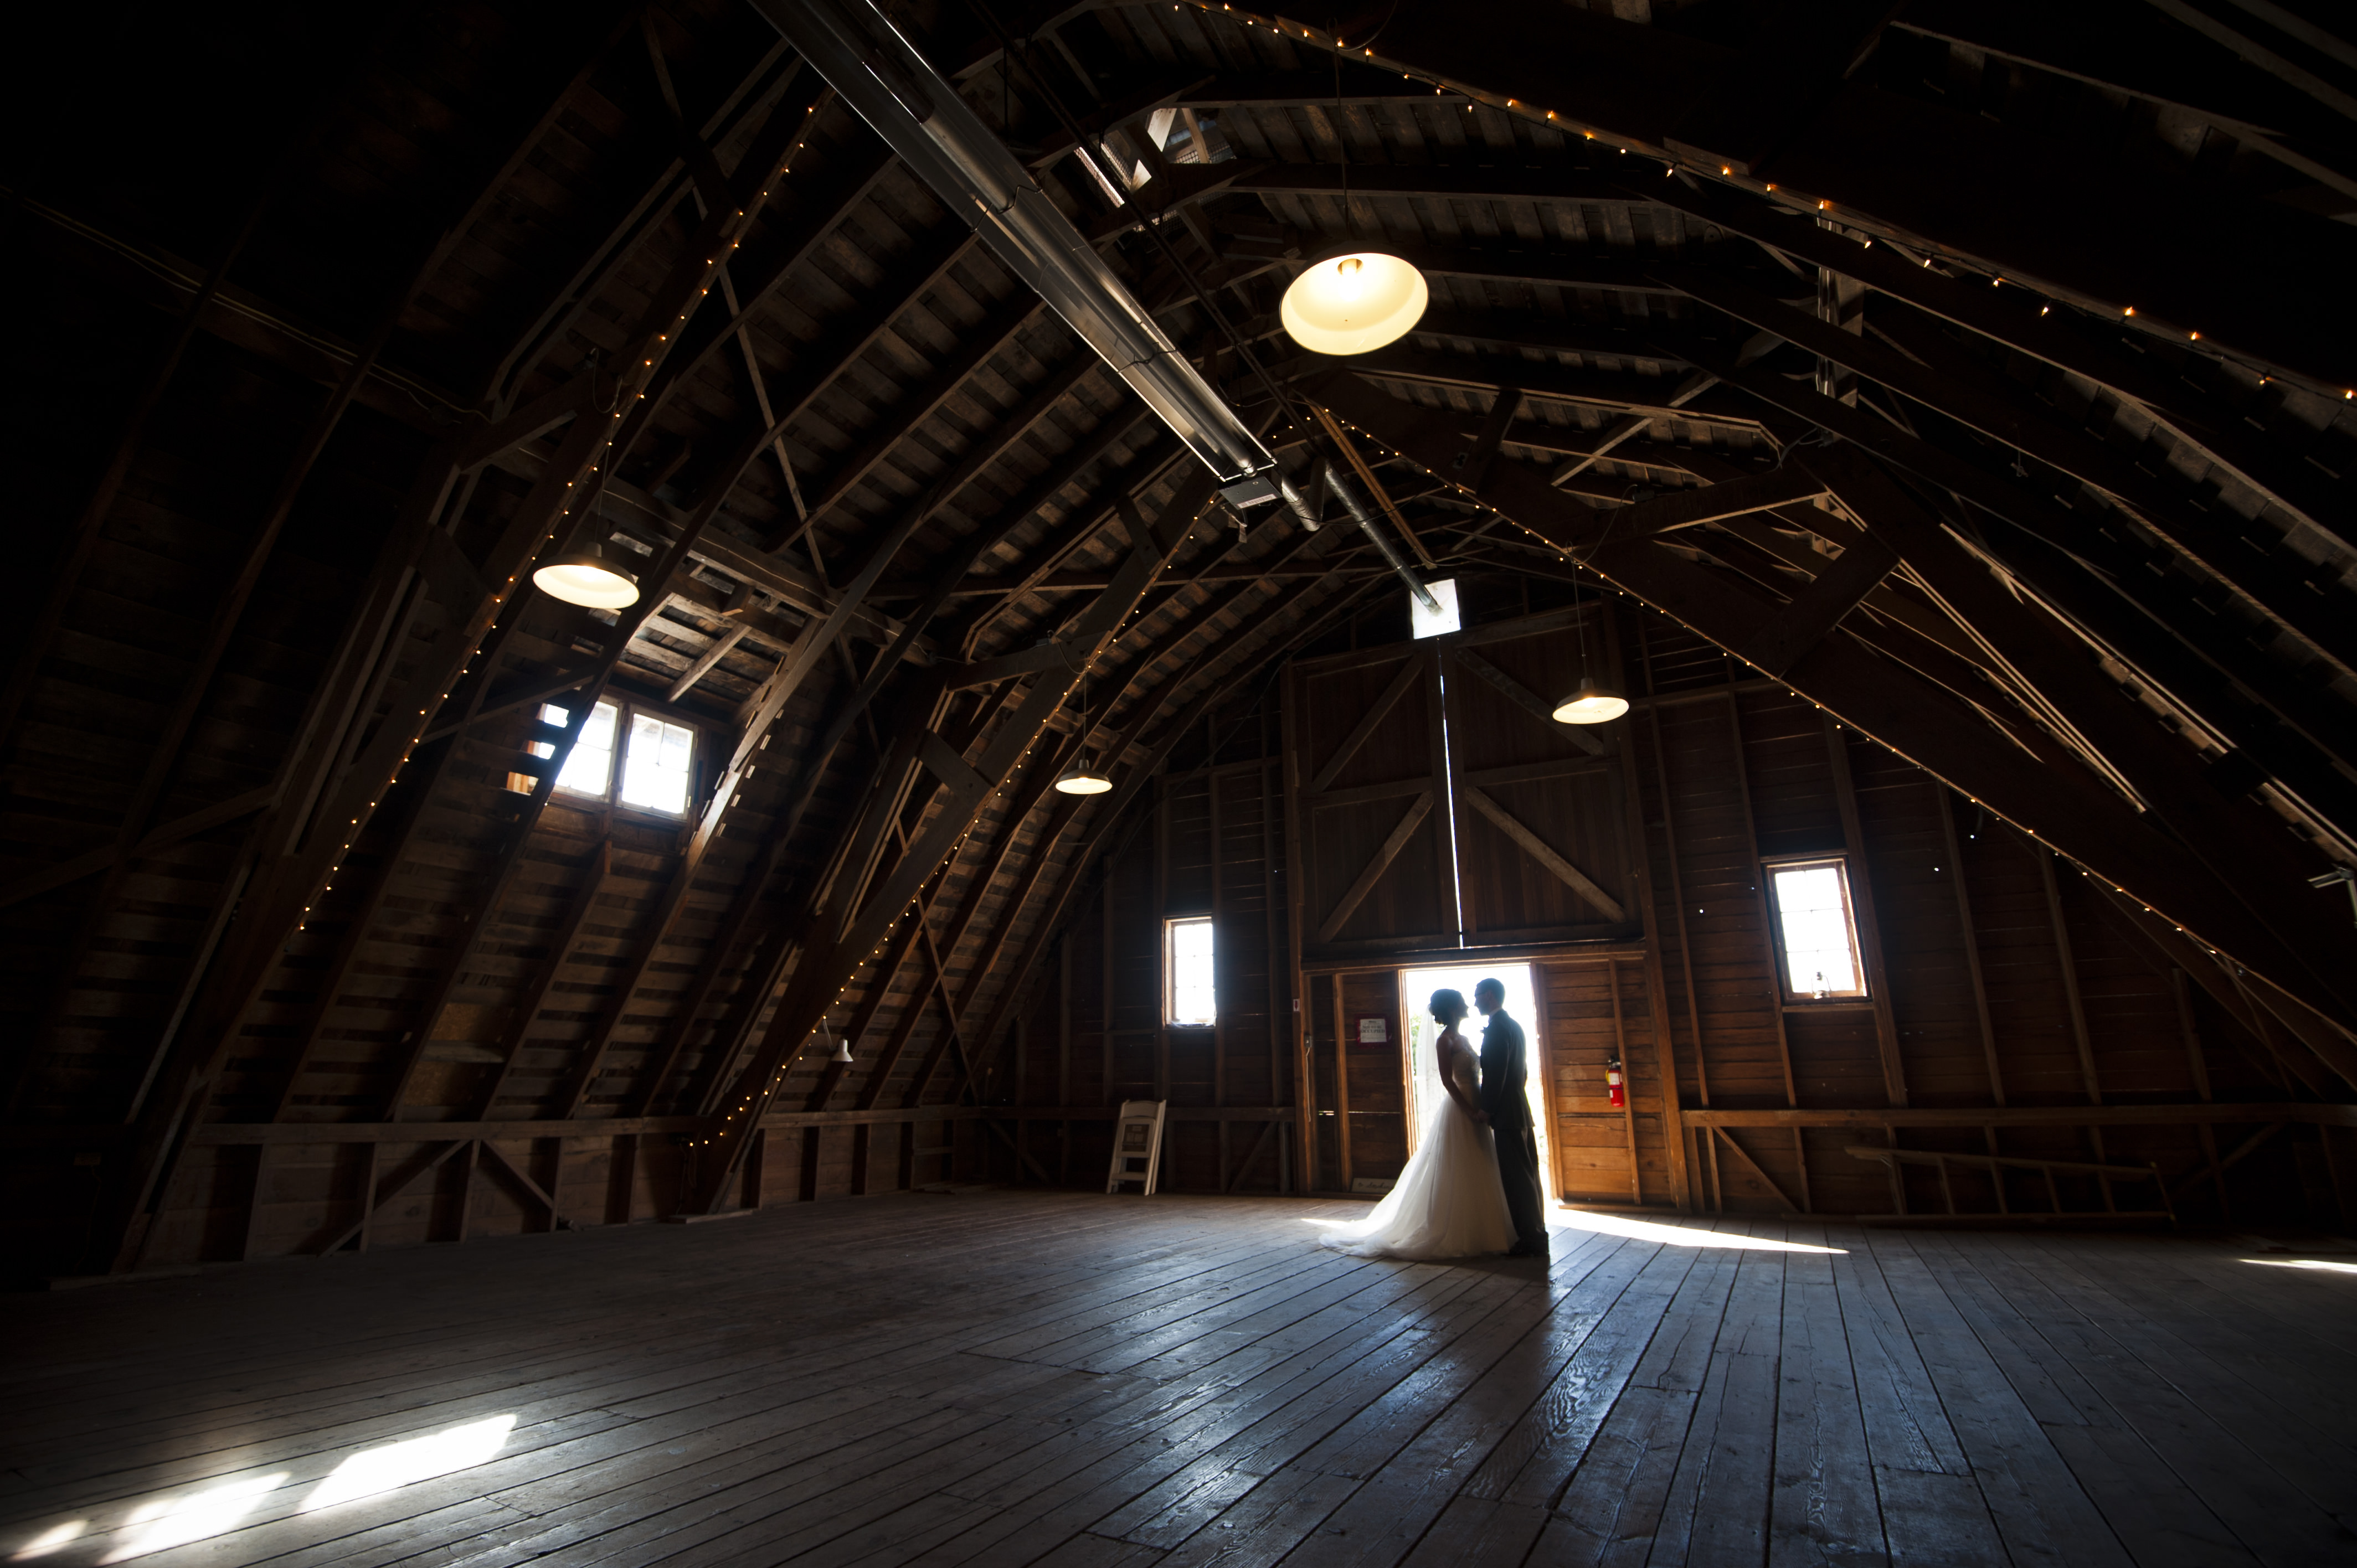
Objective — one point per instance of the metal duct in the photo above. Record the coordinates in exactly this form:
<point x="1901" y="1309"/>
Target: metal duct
<point x="1357" y="510"/>
<point x="923" y="119"/>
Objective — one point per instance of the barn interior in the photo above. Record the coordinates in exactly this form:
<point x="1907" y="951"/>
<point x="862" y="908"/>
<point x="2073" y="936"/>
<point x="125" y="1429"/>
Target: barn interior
<point x="645" y="617"/>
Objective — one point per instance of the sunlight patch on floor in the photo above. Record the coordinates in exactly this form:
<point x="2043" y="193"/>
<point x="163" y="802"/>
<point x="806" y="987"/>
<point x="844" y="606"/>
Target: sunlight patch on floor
<point x="50" y="1540"/>
<point x="374" y="1470"/>
<point x="175" y="1519"/>
<point x="1676" y="1235"/>
<point x="2317" y="1263"/>
<point x="192" y="1516"/>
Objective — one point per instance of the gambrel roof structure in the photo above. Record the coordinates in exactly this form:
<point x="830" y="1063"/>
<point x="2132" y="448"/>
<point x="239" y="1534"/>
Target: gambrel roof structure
<point x="1981" y="372"/>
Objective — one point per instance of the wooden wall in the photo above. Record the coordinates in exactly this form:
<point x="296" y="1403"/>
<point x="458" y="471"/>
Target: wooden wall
<point x="2009" y="981"/>
<point x="1210" y="840"/>
<point x="2006" y="988"/>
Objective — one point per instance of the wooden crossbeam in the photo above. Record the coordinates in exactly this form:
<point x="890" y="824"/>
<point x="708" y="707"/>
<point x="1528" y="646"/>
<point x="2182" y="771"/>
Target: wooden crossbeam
<point x="1786" y="633"/>
<point x="1377" y="864"/>
<point x="1246" y="653"/>
<point x="1527" y="700"/>
<point x="826" y="963"/>
<point x="1753" y="1165"/>
<point x="1411" y="671"/>
<point x="1634" y="426"/>
<point x="281" y="893"/>
<point x="1891" y="705"/>
<point x="2217" y="1172"/>
<point x="393" y="1186"/>
<point x="160" y="837"/>
<point x="2217" y="431"/>
<point x="1538" y="849"/>
<point x="523" y="1179"/>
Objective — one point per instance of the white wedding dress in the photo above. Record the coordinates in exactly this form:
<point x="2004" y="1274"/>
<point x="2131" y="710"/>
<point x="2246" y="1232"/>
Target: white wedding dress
<point x="1449" y="1201"/>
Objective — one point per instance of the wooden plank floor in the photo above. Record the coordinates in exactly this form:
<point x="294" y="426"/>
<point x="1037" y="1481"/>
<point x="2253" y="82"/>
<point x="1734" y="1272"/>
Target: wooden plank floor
<point x="997" y="1378"/>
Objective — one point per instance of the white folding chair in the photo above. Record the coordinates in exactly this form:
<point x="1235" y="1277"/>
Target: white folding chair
<point x="1138" y="1145"/>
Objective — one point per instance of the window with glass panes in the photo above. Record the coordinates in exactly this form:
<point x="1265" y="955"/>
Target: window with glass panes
<point x="1816" y="929"/>
<point x="628" y="757"/>
<point x="1191" y="977"/>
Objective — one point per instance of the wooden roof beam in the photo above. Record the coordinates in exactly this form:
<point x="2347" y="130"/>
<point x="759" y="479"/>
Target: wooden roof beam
<point x="2218" y="547"/>
<point x="1883" y="701"/>
<point x="839" y="934"/>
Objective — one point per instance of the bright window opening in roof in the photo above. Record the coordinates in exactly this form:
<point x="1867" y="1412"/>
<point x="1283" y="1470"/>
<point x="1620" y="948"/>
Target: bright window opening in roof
<point x="658" y="767"/>
<point x="627" y="757"/>
<point x="1426" y="623"/>
<point x="1816" y="929"/>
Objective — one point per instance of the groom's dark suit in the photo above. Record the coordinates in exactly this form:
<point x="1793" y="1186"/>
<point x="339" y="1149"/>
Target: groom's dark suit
<point x="1504" y="1069"/>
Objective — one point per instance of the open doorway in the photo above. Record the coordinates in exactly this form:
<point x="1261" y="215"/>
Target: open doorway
<point x="1416" y="986"/>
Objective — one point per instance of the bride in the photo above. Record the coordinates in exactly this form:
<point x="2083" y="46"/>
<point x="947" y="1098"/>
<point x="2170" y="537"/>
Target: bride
<point x="1449" y="1201"/>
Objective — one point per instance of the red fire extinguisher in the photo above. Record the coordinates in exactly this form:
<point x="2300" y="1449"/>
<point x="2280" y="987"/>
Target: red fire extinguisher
<point x="1612" y="1082"/>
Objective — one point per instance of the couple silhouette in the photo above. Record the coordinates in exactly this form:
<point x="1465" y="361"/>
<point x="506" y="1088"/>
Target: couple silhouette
<point x="1472" y="1185"/>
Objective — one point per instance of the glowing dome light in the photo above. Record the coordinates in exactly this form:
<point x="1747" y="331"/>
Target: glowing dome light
<point x="586" y="578"/>
<point x="1081" y="778"/>
<point x="1353" y="302"/>
<point x="1593" y="704"/>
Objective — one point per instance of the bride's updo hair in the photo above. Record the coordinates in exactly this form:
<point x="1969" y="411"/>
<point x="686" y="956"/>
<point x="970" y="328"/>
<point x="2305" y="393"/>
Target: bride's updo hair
<point x="1448" y="1006"/>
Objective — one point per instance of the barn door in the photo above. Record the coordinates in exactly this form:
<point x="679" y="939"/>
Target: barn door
<point x="1541" y="854"/>
<point x="1376" y="868"/>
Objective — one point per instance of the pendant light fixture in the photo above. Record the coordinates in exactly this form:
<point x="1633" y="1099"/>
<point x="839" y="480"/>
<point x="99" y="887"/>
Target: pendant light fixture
<point x="1351" y="298"/>
<point x="842" y="1049"/>
<point x="586" y="577"/>
<point x="1080" y="778"/>
<point x="583" y="575"/>
<point x="1592" y="702"/>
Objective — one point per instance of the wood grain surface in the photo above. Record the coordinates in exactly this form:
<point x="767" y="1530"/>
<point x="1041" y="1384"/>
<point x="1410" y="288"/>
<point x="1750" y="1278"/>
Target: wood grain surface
<point x="999" y="1378"/>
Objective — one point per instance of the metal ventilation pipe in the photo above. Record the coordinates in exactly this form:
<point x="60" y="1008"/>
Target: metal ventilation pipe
<point x="923" y="119"/>
<point x="1357" y="507"/>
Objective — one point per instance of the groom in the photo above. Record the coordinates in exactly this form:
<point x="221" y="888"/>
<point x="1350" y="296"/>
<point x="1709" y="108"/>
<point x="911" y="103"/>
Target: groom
<point x="1504" y="1069"/>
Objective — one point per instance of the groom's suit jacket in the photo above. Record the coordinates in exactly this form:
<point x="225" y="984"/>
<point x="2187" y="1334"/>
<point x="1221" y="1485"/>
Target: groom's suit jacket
<point x="1505" y="1067"/>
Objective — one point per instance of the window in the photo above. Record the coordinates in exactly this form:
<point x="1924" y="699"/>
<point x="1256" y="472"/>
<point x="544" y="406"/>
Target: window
<point x="632" y="758"/>
<point x="1816" y="930"/>
<point x="655" y="774"/>
<point x="1189" y="987"/>
<point x="1425" y="623"/>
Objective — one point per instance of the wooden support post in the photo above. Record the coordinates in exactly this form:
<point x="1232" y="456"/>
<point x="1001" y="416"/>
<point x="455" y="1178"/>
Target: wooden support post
<point x="1221" y="957"/>
<point x="1943" y="801"/>
<point x="1159" y="932"/>
<point x="1064" y="1050"/>
<point x="1767" y="938"/>
<point x="2077" y="1008"/>
<point x="1673" y="1131"/>
<point x="1869" y="925"/>
<point x="1342" y="1091"/>
<point x="1269" y="926"/>
<point x="2181" y="991"/>
<point x="1105" y="989"/>
<point x="1303" y="1017"/>
<point x="1628" y="1097"/>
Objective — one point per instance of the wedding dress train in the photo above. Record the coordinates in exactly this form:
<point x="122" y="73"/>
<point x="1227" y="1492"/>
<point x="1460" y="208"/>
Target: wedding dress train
<point x="1448" y="1203"/>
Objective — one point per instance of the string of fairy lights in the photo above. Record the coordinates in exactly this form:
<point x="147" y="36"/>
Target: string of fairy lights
<point x="732" y="230"/>
<point x="747" y="1113"/>
<point x="583" y="490"/>
<point x="1474" y="499"/>
<point x="1675" y="167"/>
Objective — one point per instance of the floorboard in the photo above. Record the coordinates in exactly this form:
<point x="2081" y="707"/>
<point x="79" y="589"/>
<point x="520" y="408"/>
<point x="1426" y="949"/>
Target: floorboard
<point x="1006" y="1379"/>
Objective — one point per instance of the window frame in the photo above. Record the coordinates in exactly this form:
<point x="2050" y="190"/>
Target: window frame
<point x="626" y="707"/>
<point x="1838" y="861"/>
<point x="1170" y="924"/>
